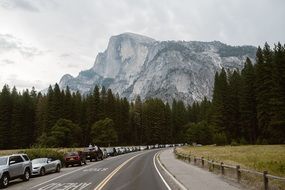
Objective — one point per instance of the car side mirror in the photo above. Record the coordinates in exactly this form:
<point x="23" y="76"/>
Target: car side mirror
<point x="12" y="162"/>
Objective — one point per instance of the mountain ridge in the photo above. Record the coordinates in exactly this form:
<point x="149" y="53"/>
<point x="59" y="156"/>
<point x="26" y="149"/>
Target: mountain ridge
<point x="135" y="65"/>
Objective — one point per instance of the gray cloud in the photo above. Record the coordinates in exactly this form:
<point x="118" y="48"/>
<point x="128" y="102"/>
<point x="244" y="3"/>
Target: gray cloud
<point x="11" y="43"/>
<point x="65" y="55"/>
<point x="75" y="31"/>
<point x="15" y="80"/>
<point x="19" y="4"/>
<point x="7" y="62"/>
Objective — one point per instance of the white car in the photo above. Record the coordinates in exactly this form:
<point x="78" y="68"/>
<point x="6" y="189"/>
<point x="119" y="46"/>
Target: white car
<point x="41" y="166"/>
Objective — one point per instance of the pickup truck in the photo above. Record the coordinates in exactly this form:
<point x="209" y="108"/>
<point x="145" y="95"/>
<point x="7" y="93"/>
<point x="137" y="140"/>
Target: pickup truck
<point x="93" y="154"/>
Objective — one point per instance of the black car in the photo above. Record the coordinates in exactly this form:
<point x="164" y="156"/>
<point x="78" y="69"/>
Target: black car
<point x="111" y="151"/>
<point x="93" y="154"/>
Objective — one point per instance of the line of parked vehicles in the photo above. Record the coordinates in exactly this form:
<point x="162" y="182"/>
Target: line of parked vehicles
<point x="20" y="166"/>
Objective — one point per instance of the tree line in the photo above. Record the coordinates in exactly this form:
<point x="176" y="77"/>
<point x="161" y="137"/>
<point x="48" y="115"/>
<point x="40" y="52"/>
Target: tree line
<point x="247" y="106"/>
<point x="61" y="118"/>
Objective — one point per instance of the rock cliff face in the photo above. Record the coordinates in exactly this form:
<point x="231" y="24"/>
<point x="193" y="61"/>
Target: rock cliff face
<point x="137" y="65"/>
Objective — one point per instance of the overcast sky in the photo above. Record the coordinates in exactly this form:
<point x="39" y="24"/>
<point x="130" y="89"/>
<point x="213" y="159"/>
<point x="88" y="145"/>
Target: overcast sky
<point x="41" y="40"/>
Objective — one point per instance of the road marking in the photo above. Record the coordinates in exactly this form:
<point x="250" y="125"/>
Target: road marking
<point x="63" y="175"/>
<point x="65" y="186"/>
<point x="165" y="183"/>
<point x="107" y="179"/>
<point x="181" y="186"/>
<point x="96" y="170"/>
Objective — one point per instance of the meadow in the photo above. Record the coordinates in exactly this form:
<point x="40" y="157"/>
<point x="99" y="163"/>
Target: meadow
<point x="254" y="157"/>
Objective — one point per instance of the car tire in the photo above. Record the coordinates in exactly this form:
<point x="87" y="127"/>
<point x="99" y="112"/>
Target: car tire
<point x="57" y="169"/>
<point x="66" y="165"/>
<point x="4" y="181"/>
<point x="27" y="175"/>
<point x="42" y="171"/>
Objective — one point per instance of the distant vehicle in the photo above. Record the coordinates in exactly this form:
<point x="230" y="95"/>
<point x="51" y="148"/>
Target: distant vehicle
<point x="41" y="166"/>
<point x="143" y="147"/>
<point x="105" y="153"/>
<point x="111" y="151"/>
<point x="74" y="158"/>
<point x="13" y="167"/>
<point x="93" y="153"/>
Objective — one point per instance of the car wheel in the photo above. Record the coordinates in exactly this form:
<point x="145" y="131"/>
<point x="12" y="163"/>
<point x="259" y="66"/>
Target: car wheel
<point x="42" y="171"/>
<point x="57" y="168"/>
<point x="27" y="174"/>
<point x="4" y="181"/>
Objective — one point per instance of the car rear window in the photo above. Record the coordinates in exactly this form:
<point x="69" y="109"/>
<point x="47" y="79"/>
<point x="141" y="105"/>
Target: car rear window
<point x="72" y="154"/>
<point x="3" y="161"/>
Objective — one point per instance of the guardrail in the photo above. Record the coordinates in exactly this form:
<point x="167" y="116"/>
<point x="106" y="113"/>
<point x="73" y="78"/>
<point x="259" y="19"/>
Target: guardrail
<point x="221" y="167"/>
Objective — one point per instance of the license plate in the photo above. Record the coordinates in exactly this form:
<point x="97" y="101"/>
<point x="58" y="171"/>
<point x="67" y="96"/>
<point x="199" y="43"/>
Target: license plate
<point x="71" y="158"/>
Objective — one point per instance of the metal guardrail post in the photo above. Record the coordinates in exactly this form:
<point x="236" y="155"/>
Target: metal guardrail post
<point x="238" y="173"/>
<point x="265" y="180"/>
<point x="202" y="159"/>
<point x="195" y="160"/>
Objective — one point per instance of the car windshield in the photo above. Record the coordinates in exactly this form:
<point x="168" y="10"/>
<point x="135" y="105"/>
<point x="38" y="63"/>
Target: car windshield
<point x="39" y="160"/>
<point x="3" y="161"/>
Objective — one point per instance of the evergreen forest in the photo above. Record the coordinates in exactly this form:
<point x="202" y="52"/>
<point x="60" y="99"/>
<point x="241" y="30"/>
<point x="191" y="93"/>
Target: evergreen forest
<point x="247" y="107"/>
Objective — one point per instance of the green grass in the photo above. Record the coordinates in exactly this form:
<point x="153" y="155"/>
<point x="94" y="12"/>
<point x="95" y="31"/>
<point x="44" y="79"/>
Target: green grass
<point x="254" y="157"/>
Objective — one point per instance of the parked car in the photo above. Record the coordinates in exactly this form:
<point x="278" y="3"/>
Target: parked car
<point x="93" y="154"/>
<point x="74" y="158"/>
<point x="13" y="167"/>
<point x="105" y="153"/>
<point x="111" y="151"/>
<point x="41" y="166"/>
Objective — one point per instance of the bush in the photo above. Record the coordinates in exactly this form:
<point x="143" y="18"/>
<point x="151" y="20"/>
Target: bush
<point x="234" y="143"/>
<point x="199" y="133"/>
<point x="103" y="132"/>
<point x="43" y="152"/>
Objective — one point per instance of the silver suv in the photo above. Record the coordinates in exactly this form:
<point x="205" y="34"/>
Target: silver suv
<point x="14" y="166"/>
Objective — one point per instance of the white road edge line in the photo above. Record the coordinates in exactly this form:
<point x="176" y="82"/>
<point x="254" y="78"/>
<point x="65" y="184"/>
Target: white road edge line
<point x="81" y="168"/>
<point x="181" y="186"/>
<point x="107" y="179"/>
<point x="165" y="183"/>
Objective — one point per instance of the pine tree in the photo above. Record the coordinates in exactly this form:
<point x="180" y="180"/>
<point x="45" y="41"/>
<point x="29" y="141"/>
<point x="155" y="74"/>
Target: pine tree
<point x="248" y="113"/>
<point x="263" y="89"/>
<point x="137" y="121"/>
<point x="233" y="106"/>
<point x="219" y="119"/>
<point x="6" y="106"/>
<point x="277" y="100"/>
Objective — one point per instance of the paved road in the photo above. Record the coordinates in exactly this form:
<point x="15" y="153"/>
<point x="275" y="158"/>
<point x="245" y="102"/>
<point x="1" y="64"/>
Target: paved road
<point x="129" y="171"/>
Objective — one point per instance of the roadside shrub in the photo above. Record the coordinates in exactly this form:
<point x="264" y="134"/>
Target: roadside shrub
<point x="234" y="143"/>
<point x="43" y="152"/>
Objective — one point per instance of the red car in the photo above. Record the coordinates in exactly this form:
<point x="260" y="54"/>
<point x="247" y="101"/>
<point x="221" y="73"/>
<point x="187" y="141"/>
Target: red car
<point x="74" y="158"/>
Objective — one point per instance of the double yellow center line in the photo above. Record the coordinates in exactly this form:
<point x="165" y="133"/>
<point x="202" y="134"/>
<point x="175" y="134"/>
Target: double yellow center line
<point x="107" y="179"/>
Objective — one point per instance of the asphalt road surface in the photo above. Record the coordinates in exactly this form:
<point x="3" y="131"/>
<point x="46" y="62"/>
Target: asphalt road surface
<point x="129" y="171"/>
